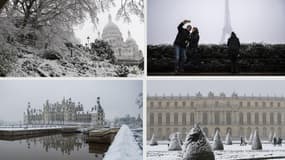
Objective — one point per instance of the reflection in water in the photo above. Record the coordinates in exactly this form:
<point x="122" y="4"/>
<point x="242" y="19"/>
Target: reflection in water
<point x="73" y="146"/>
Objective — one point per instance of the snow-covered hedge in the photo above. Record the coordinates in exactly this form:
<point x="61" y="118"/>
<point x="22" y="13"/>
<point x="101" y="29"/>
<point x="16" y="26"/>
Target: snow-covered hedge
<point x="124" y="146"/>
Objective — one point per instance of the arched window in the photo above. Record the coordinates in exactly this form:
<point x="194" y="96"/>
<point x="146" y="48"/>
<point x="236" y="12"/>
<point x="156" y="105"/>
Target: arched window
<point x="248" y="118"/>
<point x="151" y="119"/>
<point x="176" y="118"/>
<point x="159" y="133"/>
<point x="192" y="118"/>
<point x="241" y="132"/>
<point x="151" y="132"/>
<point x="240" y="118"/>
<point x="279" y="132"/>
<point x="228" y="118"/>
<point x="248" y="131"/>
<point x="205" y="118"/>
<point x="264" y="118"/>
<point x="151" y="104"/>
<point x="168" y="131"/>
<point x="159" y="119"/>
<point x="279" y="118"/>
<point x="271" y="118"/>
<point x="184" y="118"/>
<point x="167" y="118"/>
<point x="264" y="132"/>
<point x="175" y="104"/>
<point x="256" y="118"/>
<point x="217" y="118"/>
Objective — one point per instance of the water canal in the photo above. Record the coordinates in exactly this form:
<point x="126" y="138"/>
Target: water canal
<point x="55" y="147"/>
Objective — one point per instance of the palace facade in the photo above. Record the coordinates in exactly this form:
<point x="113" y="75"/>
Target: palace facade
<point x="239" y="115"/>
<point x="65" y="112"/>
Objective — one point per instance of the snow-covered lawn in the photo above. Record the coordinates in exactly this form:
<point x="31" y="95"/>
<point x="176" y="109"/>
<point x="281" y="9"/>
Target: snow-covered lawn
<point x="230" y="152"/>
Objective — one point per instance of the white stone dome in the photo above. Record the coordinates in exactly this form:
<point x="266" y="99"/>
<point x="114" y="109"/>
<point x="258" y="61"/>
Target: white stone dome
<point x="130" y="41"/>
<point x="111" y="31"/>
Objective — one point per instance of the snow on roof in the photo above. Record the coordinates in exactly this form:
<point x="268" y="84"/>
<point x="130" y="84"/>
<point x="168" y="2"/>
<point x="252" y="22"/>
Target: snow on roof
<point x="124" y="146"/>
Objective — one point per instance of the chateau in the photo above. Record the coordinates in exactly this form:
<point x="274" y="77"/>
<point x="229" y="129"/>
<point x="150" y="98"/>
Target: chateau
<point x="65" y="112"/>
<point x="239" y="115"/>
<point x="126" y="52"/>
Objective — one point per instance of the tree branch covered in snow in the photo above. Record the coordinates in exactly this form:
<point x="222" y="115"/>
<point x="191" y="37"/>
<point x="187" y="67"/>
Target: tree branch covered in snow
<point x="131" y="7"/>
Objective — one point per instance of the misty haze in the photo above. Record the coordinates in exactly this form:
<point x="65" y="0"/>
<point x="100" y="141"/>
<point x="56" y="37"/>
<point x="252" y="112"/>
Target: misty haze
<point x="253" y="21"/>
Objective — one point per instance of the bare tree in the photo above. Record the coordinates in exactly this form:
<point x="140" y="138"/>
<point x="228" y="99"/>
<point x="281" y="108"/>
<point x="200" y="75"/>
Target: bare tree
<point x="139" y="100"/>
<point x="2" y="3"/>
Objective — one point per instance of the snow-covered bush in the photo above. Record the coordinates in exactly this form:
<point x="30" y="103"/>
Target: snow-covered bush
<point x="122" y="71"/>
<point x="102" y="50"/>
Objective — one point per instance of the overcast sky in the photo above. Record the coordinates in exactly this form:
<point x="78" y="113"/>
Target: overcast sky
<point x="118" y="97"/>
<point x="136" y="27"/>
<point x="252" y="20"/>
<point x="248" y="87"/>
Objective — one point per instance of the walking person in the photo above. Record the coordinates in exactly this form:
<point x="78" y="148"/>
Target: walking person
<point x="233" y="48"/>
<point x="193" y="44"/>
<point x="180" y="44"/>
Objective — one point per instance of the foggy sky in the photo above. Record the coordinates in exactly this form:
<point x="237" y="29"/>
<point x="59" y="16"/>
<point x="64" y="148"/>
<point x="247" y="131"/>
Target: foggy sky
<point x="118" y="97"/>
<point x="252" y="20"/>
<point x="136" y="27"/>
<point x="241" y="87"/>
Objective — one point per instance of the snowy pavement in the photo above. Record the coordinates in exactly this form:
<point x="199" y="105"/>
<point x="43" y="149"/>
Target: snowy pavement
<point x="230" y="152"/>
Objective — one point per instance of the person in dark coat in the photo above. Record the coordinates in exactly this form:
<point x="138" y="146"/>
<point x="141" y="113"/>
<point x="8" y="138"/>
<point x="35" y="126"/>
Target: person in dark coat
<point x="233" y="47"/>
<point x="180" y="44"/>
<point x="193" y="43"/>
<point x="274" y="141"/>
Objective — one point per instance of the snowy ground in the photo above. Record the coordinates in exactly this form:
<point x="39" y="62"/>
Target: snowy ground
<point x="231" y="152"/>
<point x="31" y="64"/>
<point x="124" y="146"/>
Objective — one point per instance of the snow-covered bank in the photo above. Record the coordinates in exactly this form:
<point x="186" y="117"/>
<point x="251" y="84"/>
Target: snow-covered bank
<point x="230" y="152"/>
<point x="124" y="146"/>
<point x="31" y="128"/>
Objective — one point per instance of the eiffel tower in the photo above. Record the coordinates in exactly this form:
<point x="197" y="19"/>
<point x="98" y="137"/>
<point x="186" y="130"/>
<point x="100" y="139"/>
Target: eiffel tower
<point x="227" y="23"/>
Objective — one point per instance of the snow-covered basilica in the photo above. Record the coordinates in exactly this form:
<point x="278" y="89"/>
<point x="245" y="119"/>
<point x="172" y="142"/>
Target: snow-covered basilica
<point x="65" y="112"/>
<point x="126" y="52"/>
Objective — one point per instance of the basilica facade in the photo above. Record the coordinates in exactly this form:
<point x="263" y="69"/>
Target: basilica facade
<point x="126" y="52"/>
<point x="239" y="115"/>
<point x="65" y="112"/>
